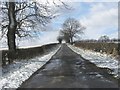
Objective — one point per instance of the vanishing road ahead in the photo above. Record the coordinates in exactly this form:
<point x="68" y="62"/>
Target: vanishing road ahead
<point x="66" y="69"/>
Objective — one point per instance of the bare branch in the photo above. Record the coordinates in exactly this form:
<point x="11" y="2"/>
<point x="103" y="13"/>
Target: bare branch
<point x="72" y="27"/>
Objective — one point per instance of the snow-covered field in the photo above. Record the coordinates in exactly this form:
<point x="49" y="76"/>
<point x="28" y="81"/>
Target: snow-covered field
<point x="101" y="60"/>
<point x="14" y="74"/>
<point x="27" y="46"/>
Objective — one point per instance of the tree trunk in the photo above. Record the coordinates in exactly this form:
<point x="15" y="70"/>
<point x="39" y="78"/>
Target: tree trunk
<point x="11" y="31"/>
<point x="12" y="27"/>
<point x="71" y="39"/>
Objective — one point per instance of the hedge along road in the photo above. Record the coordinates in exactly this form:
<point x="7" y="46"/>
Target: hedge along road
<point x="66" y="69"/>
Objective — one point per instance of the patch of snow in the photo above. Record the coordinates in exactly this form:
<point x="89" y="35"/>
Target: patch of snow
<point x="3" y="49"/>
<point x="101" y="60"/>
<point x="28" y="46"/>
<point x="15" y="74"/>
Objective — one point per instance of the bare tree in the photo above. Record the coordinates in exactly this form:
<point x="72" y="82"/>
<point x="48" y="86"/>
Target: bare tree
<point x="104" y="38"/>
<point x="71" y="27"/>
<point x="65" y="36"/>
<point x="60" y="38"/>
<point x="22" y="16"/>
<point x="19" y="19"/>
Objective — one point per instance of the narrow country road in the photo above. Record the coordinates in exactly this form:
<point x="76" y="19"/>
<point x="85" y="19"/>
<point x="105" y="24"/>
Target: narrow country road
<point x="66" y="69"/>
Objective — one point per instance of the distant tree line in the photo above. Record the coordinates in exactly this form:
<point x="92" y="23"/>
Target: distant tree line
<point x="103" y="38"/>
<point x="93" y="40"/>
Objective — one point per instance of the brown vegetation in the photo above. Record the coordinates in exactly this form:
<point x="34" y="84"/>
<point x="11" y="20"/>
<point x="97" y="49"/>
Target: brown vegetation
<point x="26" y="53"/>
<point x="108" y="48"/>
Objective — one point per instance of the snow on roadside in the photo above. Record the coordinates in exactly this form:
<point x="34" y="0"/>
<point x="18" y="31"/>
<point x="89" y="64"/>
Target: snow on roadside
<point x="20" y="71"/>
<point x="101" y="60"/>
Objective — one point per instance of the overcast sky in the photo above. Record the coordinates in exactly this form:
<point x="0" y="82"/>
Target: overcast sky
<point x="99" y="18"/>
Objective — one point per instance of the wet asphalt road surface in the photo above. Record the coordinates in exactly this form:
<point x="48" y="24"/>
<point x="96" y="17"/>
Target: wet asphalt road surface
<point x="66" y="69"/>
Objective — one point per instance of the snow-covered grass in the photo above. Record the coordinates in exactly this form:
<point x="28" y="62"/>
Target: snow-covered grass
<point x="3" y="48"/>
<point x="101" y="60"/>
<point x="14" y="74"/>
<point x="27" y="46"/>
